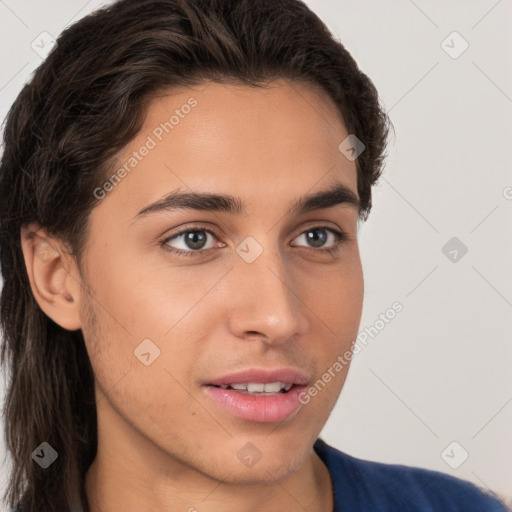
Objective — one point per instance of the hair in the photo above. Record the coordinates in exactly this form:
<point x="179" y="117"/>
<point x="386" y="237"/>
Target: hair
<point x="83" y="104"/>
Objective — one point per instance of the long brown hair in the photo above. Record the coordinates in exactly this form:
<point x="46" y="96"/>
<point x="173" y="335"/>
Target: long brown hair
<point x="84" y="103"/>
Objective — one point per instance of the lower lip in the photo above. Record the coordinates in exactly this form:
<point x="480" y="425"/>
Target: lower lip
<point x="264" y="409"/>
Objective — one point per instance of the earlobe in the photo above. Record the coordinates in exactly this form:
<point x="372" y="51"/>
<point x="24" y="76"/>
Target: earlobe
<point x="50" y="270"/>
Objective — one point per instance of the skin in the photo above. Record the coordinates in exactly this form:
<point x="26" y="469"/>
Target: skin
<point x="163" y="444"/>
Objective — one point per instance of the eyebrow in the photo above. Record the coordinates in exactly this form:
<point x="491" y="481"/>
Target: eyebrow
<point x="335" y="195"/>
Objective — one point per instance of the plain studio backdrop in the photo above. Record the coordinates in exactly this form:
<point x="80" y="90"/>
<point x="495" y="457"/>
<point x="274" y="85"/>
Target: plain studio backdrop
<point x="431" y="386"/>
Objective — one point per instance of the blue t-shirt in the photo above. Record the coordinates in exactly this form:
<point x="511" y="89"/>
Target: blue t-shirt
<point x="366" y="486"/>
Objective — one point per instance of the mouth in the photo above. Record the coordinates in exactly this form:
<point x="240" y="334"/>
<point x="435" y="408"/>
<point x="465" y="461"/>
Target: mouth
<point x="263" y="396"/>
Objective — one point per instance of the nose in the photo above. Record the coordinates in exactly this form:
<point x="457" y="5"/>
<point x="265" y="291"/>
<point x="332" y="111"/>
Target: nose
<point x="266" y="300"/>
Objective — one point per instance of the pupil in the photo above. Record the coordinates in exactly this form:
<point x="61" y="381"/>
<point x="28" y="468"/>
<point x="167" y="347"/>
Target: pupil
<point x="191" y="239"/>
<point x="316" y="241"/>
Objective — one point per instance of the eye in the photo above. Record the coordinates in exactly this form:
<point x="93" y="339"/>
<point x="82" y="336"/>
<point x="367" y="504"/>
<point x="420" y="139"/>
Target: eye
<point x="318" y="237"/>
<point x="192" y="241"/>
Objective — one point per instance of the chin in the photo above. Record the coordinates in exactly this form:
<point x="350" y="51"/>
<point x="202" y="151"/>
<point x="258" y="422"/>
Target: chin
<point x="260" y="461"/>
<point x="263" y="473"/>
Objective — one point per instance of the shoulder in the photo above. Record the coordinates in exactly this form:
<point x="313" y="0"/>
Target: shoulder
<point x="368" y="485"/>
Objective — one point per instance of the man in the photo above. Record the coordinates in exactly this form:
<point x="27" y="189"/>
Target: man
<point x="180" y="193"/>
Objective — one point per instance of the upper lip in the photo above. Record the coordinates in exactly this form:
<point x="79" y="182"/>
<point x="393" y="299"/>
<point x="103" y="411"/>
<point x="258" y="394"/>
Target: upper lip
<point x="262" y="375"/>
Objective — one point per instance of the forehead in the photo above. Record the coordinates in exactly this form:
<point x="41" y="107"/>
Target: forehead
<point x="259" y="143"/>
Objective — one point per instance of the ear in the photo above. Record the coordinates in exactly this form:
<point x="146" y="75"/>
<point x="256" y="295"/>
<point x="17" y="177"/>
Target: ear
<point x="53" y="276"/>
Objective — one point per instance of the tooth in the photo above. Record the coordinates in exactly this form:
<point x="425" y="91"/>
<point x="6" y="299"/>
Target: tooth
<point x="258" y="387"/>
<point x="272" y="387"/>
<point x="252" y="387"/>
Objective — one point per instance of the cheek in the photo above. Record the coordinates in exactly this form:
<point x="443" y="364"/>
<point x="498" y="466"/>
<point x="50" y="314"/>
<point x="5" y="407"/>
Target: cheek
<point x="148" y="300"/>
<point x="338" y="299"/>
<point x="129" y="304"/>
<point x="140" y="391"/>
<point x="337" y="312"/>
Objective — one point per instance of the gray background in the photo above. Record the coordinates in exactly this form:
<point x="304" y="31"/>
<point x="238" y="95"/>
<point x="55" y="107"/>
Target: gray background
<point x="439" y="372"/>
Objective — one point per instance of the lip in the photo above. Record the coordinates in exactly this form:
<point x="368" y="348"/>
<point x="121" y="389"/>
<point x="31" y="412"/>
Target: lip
<point x="263" y="375"/>
<point x="264" y="409"/>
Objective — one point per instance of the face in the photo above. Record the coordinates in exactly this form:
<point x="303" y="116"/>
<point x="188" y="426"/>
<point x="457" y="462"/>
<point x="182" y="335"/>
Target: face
<point x="185" y="299"/>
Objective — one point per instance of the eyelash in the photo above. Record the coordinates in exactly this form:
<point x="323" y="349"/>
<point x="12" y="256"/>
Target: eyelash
<point x="340" y="237"/>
